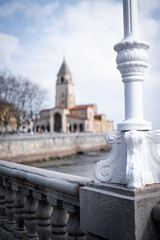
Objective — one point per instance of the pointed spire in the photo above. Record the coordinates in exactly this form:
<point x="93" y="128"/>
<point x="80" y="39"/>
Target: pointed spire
<point x="64" y="69"/>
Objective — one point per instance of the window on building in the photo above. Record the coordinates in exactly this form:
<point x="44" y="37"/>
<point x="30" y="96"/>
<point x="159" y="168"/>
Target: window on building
<point x="48" y="128"/>
<point x="62" y="79"/>
<point x="57" y="122"/>
<point x="38" y="129"/>
<point x="75" y="127"/>
<point x="43" y="128"/>
<point x="81" y="127"/>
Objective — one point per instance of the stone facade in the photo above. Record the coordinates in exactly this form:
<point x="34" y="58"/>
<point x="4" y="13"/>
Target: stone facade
<point x="68" y="117"/>
<point x="43" y="122"/>
<point x="33" y="147"/>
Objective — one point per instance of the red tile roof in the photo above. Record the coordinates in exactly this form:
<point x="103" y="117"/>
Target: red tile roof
<point x="45" y="110"/>
<point x="98" y="116"/>
<point x="75" y="116"/>
<point x="61" y="107"/>
<point x="82" y="106"/>
<point x="49" y="109"/>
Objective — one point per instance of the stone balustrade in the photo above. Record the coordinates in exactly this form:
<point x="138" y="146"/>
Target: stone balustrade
<point x="39" y="204"/>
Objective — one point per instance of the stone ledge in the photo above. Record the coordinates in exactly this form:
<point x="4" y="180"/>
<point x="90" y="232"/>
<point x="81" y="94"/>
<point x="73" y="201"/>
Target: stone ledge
<point x="113" y="212"/>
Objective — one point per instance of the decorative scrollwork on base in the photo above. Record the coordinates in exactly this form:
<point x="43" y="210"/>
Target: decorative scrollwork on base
<point x="157" y="175"/>
<point x="134" y="141"/>
<point x="103" y="172"/>
<point x="156" y="136"/>
<point x="111" y="137"/>
<point x="105" y="169"/>
<point x="133" y="161"/>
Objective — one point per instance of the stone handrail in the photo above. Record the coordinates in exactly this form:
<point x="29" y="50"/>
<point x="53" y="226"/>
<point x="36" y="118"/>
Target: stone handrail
<point x="39" y="204"/>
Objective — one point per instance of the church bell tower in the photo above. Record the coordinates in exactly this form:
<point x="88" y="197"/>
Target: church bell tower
<point x="64" y="88"/>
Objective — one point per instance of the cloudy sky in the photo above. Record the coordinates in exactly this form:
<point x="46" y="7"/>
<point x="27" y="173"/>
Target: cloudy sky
<point x="34" y="34"/>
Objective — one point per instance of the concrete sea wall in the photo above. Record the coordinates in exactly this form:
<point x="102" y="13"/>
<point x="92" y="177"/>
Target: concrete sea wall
<point x="30" y="148"/>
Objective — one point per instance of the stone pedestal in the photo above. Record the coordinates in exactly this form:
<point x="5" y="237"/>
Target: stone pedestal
<point x="112" y="212"/>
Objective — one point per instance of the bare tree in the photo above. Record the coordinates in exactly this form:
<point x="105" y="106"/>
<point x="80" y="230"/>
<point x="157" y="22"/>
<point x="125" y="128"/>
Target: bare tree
<point x="8" y="86"/>
<point x="19" y="98"/>
<point x="7" y="113"/>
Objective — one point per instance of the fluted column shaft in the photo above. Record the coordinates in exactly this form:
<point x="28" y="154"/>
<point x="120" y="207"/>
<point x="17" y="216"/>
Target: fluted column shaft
<point x="130" y="17"/>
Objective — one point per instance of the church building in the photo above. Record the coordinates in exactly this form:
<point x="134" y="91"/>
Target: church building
<point x="68" y="117"/>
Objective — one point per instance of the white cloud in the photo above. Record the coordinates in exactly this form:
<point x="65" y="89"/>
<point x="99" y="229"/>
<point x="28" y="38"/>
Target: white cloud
<point x="38" y="12"/>
<point x="8" y="47"/>
<point x="148" y="7"/>
<point x="150" y="31"/>
<point x="11" y="8"/>
<point x="30" y="9"/>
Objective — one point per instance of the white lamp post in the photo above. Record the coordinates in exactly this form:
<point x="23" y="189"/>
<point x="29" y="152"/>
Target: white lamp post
<point x="135" y="159"/>
<point x="131" y="62"/>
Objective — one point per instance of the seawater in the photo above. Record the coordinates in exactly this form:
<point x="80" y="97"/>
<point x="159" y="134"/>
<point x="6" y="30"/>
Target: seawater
<point x="79" y="164"/>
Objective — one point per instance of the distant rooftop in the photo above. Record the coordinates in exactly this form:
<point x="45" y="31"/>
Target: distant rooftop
<point x="83" y="106"/>
<point x="46" y="110"/>
<point x="75" y="116"/>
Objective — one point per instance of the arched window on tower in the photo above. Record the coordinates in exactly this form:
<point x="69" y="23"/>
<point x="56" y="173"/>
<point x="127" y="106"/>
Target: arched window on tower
<point x="62" y="79"/>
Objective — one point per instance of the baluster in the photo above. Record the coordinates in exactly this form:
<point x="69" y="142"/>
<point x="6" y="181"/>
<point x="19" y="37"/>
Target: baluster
<point x="59" y="220"/>
<point x="44" y="211"/>
<point x="2" y="206"/>
<point x="73" y="225"/>
<point x="30" y="216"/>
<point x="10" y="223"/>
<point x="19" y="201"/>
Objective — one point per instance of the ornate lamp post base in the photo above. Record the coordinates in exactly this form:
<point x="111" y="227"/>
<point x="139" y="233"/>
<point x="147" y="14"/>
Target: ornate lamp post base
<point x="132" y="62"/>
<point x="134" y="160"/>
